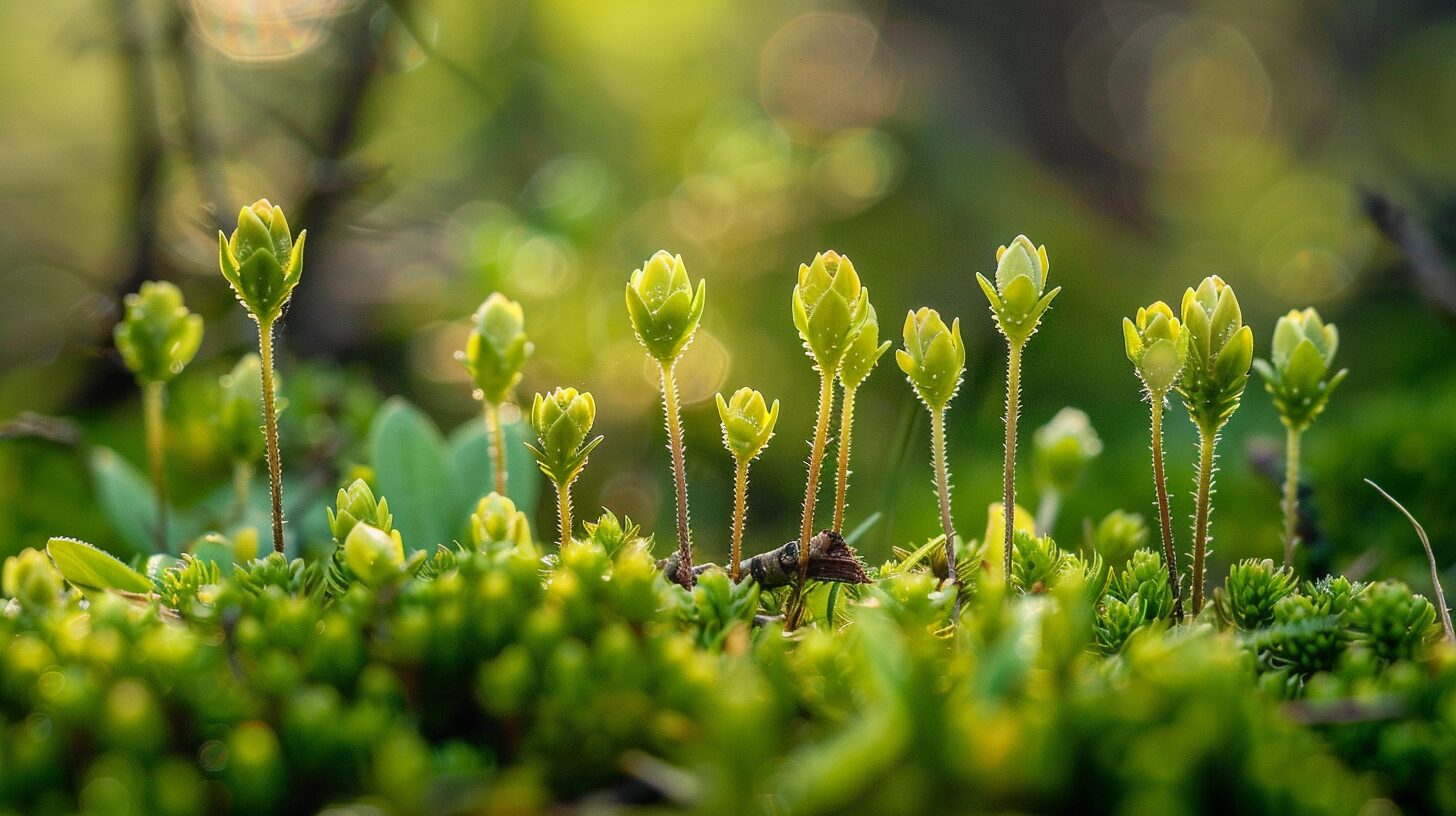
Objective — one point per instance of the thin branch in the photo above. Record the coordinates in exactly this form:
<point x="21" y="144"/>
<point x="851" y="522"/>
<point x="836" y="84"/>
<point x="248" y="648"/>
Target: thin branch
<point x="1428" y="264"/>
<point x="1430" y="558"/>
<point x="830" y="559"/>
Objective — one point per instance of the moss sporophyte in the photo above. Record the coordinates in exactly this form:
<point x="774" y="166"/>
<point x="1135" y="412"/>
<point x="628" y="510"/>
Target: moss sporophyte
<point x="1300" y="376"/>
<point x="157" y="338"/>
<point x="1157" y="346"/>
<point x="748" y="425"/>
<point x="263" y="264"/>
<point x="1018" y="299"/>
<point x="934" y="361"/>
<point x="562" y="420"/>
<point x="1220" y="351"/>
<point x="495" y="355"/>
<point x="665" y="312"/>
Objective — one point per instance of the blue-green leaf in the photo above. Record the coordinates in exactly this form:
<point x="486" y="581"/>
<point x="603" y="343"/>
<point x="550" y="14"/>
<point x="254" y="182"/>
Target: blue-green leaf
<point x="412" y="470"/>
<point x="128" y="502"/>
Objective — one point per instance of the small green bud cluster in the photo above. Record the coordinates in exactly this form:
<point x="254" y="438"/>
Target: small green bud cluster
<point x="1393" y="622"/>
<point x="496" y="524"/>
<point x="497" y="349"/>
<point x="1220" y="351"/>
<point x="562" y="420"/>
<point x="1251" y="591"/>
<point x="375" y="556"/>
<point x="1063" y="448"/>
<point x="934" y="357"/>
<point x="1157" y="346"/>
<point x="30" y="578"/>
<point x="262" y="261"/>
<point x="830" y="309"/>
<point x="1119" y="535"/>
<point x="1019" y="297"/>
<point x="1037" y="562"/>
<point x="157" y="335"/>
<point x="664" y="308"/>
<point x="748" y="423"/>
<point x="1299" y="374"/>
<point x="1146" y="579"/>
<point x="355" y="505"/>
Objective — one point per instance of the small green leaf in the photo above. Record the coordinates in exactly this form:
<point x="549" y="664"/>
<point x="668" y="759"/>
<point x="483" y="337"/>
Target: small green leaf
<point x="87" y="567"/>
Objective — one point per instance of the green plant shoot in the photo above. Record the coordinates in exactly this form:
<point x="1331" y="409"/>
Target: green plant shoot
<point x="157" y="338"/>
<point x="263" y="264"/>
<point x="1018" y="300"/>
<point x="665" y="313"/>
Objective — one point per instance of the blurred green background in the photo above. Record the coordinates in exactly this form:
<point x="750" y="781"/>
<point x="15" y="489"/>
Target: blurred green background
<point x="437" y="151"/>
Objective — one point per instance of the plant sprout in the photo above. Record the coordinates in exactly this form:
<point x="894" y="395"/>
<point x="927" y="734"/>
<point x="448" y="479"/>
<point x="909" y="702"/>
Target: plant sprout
<point x="665" y="313"/>
<point x="562" y="420"/>
<point x="1018" y="300"/>
<point x="1061" y="451"/>
<point x="157" y="338"/>
<point x="863" y="355"/>
<point x="495" y="354"/>
<point x="263" y="263"/>
<point x="748" y="425"/>
<point x="1220" y="350"/>
<point x="1158" y="348"/>
<point x="1298" y="376"/>
<point x="830" y="309"/>
<point x="934" y="360"/>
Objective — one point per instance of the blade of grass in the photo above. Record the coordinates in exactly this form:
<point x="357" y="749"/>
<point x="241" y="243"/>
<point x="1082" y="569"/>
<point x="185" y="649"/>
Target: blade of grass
<point x="1430" y="557"/>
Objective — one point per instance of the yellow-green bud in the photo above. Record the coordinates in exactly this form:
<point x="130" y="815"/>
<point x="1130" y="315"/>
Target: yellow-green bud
<point x="1298" y="376"/>
<point x="1119" y="535"/>
<point x="30" y="578"/>
<point x="373" y="555"/>
<point x="356" y="505"/>
<point x="864" y="353"/>
<point x="157" y="335"/>
<point x="934" y="357"/>
<point x="240" y="409"/>
<point x="497" y="524"/>
<point x="1062" y="449"/>
<point x="748" y="423"/>
<point x="664" y="309"/>
<point x="1019" y="298"/>
<point x="261" y="261"/>
<point x="497" y="349"/>
<point x="1220" y="351"/>
<point x="830" y="308"/>
<point x="562" y="420"/>
<point x="1157" y="346"/>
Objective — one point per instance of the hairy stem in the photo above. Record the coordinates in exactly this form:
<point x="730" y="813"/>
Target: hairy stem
<point x="242" y="476"/>
<point x="1291" y="496"/>
<point x="811" y="489"/>
<point x="497" y="446"/>
<point x="942" y="490"/>
<point x="1206" y="442"/>
<point x="563" y="509"/>
<point x="679" y="472"/>
<point x="740" y="513"/>
<point x="1008" y="487"/>
<point x="154" y="399"/>
<point x="846" y="425"/>
<point x="1165" y="516"/>
<point x="270" y="431"/>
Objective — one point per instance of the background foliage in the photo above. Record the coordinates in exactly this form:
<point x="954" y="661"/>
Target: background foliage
<point x="439" y="150"/>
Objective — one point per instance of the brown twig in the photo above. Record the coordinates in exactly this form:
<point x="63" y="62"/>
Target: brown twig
<point x="830" y="559"/>
<point x="1428" y="264"/>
